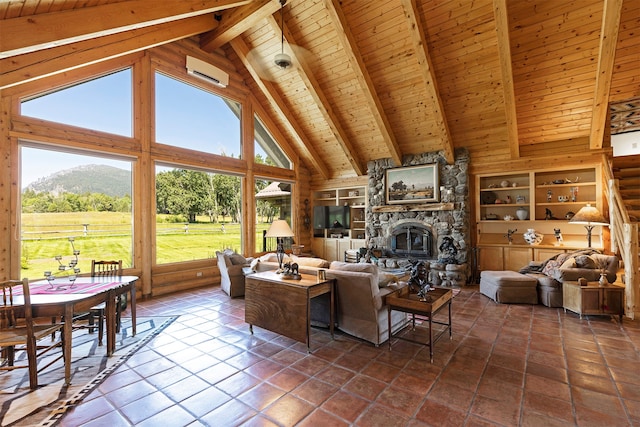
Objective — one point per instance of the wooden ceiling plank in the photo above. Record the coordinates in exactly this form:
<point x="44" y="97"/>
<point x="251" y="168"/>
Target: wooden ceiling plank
<point x="364" y="79"/>
<point x="428" y="74"/>
<point x="606" y="57"/>
<point x="504" y="54"/>
<point x="27" y="34"/>
<point x="236" y="21"/>
<point x="36" y="65"/>
<point x="306" y="75"/>
<point x="269" y="90"/>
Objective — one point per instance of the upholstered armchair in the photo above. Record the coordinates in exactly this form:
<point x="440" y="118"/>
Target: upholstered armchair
<point x="231" y="273"/>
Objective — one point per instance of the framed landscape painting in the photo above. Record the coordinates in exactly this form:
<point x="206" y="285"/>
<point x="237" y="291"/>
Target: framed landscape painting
<point x="413" y="184"/>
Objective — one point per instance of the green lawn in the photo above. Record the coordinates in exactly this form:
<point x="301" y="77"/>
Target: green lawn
<point x="109" y="236"/>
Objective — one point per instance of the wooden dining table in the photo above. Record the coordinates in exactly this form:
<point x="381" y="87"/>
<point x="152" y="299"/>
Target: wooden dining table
<point x="64" y="298"/>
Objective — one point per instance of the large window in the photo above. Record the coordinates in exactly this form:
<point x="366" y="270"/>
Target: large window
<point x="189" y="117"/>
<point x="273" y="201"/>
<point x="197" y="213"/>
<point x="73" y="202"/>
<point x="267" y="150"/>
<point x="103" y="104"/>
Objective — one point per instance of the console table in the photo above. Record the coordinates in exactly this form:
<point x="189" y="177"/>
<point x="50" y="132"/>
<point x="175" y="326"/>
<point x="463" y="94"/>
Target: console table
<point x="282" y="305"/>
<point x="593" y="299"/>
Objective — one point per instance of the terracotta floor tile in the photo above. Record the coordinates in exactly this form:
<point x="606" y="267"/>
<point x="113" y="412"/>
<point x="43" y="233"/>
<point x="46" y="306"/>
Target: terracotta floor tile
<point x="322" y="418"/>
<point x="496" y="410"/>
<point x="345" y="405"/>
<point x="549" y="407"/>
<point x="315" y="391"/>
<point x="335" y="375"/>
<point x="400" y="400"/>
<point x="261" y="396"/>
<point x="379" y="415"/>
<point x="146" y="407"/>
<point x="288" y="379"/>
<point x="288" y="410"/>
<point x="551" y="388"/>
<point x="506" y="365"/>
<point x="381" y="371"/>
<point x="365" y="386"/>
<point x="437" y="414"/>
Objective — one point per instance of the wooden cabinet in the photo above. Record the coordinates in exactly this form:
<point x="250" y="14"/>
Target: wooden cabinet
<point x="548" y="197"/>
<point x="355" y="197"/>
<point x="499" y="258"/>
<point x="593" y="299"/>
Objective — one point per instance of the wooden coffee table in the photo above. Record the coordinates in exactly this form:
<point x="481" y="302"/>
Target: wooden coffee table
<point x="593" y="299"/>
<point x="282" y="305"/>
<point x="437" y="298"/>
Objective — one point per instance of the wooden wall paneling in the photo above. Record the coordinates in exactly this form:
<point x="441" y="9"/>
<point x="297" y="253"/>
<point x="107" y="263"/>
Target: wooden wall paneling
<point x="248" y="213"/>
<point x="606" y="56"/>
<point x="624" y="83"/>
<point x="170" y="278"/>
<point x="8" y="192"/>
<point x="144" y="197"/>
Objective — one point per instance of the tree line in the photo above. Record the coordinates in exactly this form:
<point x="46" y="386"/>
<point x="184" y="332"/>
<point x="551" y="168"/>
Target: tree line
<point x="184" y="193"/>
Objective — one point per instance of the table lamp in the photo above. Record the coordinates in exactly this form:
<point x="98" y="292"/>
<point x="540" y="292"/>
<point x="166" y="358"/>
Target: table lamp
<point x="590" y="217"/>
<point x="279" y="229"/>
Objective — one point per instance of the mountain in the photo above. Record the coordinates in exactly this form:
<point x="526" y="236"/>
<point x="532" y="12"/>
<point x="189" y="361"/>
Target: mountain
<point x="83" y="179"/>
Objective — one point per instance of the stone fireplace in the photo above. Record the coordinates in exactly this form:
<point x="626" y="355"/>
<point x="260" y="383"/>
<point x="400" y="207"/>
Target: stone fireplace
<point x="399" y="233"/>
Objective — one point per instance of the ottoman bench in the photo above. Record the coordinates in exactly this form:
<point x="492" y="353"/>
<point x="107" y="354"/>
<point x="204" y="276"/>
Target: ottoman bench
<point x="509" y="287"/>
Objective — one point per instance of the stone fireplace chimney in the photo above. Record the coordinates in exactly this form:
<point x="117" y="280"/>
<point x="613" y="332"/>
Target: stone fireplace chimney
<point x="417" y="231"/>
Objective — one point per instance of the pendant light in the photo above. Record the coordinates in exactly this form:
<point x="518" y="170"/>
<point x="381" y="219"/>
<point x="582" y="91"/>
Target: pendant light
<point x="282" y="59"/>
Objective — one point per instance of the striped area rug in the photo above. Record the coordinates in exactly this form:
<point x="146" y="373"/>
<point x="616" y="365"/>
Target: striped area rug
<point x="89" y="367"/>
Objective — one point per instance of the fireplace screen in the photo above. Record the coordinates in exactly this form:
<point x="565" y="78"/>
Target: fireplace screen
<point x="412" y="241"/>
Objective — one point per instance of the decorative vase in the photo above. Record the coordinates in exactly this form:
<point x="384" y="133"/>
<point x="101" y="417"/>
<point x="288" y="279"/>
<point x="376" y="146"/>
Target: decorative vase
<point x="603" y="279"/>
<point x="532" y="237"/>
<point x="522" y="214"/>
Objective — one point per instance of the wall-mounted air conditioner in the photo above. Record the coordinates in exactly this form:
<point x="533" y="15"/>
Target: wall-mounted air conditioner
<point x="207" y="72"/>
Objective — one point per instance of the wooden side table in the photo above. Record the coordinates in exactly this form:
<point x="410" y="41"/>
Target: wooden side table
<point x="402" y="300"/>
<point x="593" y="299"/>
<point x="283" y="306"/>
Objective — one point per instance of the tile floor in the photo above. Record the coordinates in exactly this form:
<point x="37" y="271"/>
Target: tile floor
<point x="507" y="365"/>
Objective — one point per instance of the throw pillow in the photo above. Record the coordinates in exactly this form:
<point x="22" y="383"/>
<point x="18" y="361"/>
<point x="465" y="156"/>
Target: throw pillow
<point x="237" y="259"/>
<point x="310" y="262"/>
<point x="385" y="279"/>
<point x="551" y="267"/>
<point x="585" y="261"/>
<point x="270" y="257"/>
<point x="569" y="263"/>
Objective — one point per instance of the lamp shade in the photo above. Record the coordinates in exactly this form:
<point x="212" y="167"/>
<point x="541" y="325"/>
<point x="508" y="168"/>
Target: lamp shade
<point x="589" y="215"/>
<point x="279" y="228"/>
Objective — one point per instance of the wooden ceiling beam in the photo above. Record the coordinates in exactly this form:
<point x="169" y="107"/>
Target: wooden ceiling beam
<point x="36" y="65"/>
<point x="428" y="76"/>
<point x="359" y="68"/>
<point x="311" y="156"/>
<point x="504" y="55"/>
<point x="236" y="21"/>
<point x="31" y="33"/>
<point x="306" y="75"/>
<point x="606" y="56"/>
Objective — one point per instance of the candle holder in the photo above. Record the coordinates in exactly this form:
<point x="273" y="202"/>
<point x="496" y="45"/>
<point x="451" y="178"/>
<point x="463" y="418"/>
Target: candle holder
<point x="71" y="268"/>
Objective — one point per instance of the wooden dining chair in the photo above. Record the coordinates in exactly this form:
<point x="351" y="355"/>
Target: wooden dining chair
<point x="94" y="318"/>
<point x="18" y="332"/>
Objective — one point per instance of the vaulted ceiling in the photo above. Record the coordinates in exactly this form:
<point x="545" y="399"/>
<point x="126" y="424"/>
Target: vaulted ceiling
<point x="506" y="79"/>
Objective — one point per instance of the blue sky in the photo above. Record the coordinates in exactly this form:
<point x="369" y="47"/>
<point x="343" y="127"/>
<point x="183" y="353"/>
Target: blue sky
<point x="186" y="117"/>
